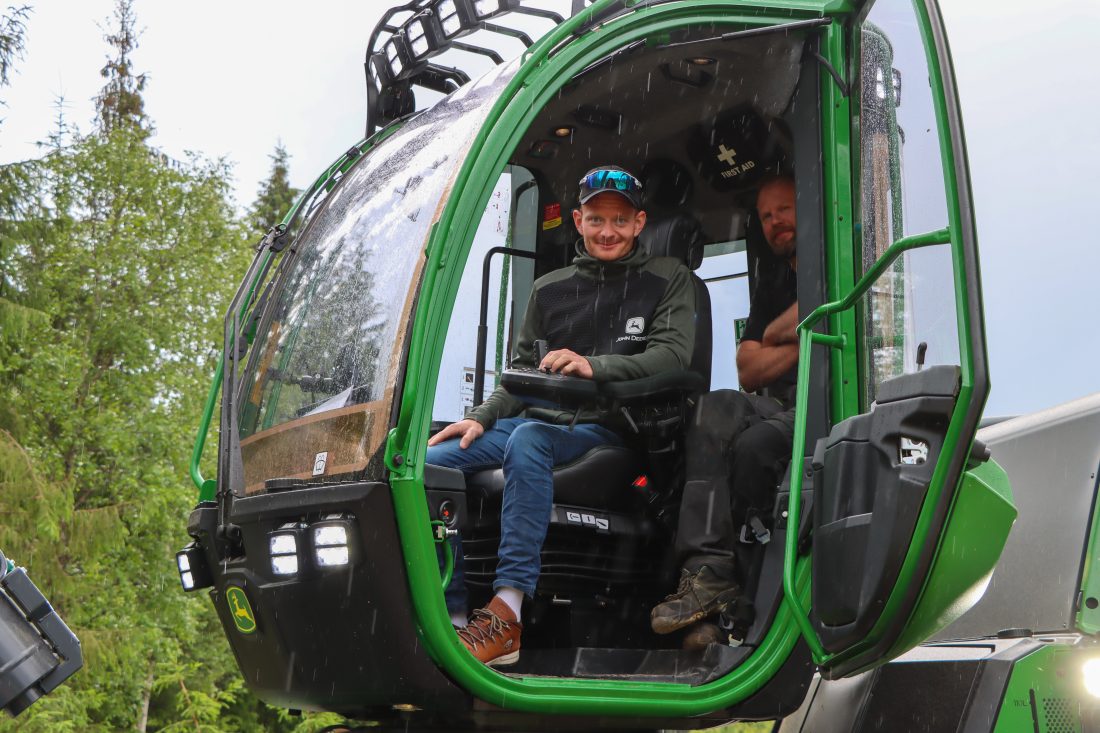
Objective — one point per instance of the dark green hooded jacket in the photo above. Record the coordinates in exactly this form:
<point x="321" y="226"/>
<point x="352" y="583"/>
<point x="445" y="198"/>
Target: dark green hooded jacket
<point x="631" y="318"/>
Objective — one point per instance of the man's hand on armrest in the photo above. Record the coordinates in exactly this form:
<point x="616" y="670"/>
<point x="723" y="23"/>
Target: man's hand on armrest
<point x="468" y="430"/>
<point x="569" y="363"/>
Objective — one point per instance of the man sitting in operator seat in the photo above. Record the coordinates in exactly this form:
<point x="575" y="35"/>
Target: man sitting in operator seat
<point x="739" y="444"/>
<point x="614" y="314"/>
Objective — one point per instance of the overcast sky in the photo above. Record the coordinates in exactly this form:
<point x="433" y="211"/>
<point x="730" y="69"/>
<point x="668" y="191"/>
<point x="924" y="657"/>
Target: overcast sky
<point x="232" y="78"/>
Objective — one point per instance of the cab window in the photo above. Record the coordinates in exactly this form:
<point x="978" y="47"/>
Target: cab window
<point x="911" y="307"/>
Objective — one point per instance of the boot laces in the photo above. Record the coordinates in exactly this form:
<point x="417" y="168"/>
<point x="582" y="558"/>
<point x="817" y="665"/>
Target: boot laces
<point x="485" y="626"/>
<point x="683" y="587"/>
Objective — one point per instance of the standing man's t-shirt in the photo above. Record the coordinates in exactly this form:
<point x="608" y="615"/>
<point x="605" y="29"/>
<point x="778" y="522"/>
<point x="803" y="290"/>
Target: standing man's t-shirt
<point x="769" y="301"/>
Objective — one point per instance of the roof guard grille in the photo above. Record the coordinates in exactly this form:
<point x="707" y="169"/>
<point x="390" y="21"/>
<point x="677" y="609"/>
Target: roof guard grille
<point x="408" y="37"/>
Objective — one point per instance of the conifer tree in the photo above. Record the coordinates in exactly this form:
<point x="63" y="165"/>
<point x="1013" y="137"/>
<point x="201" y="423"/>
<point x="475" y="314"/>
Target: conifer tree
<point x="120" y="103"/>
<point x="276" y="195"/>
<point x="15" y="317"/>
<point x="115" y="270"/>
<point x="13" y="30"/>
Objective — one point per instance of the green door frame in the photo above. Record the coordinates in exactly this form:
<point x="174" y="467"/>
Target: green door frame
<point x="534" y="84"/>
<point x="904" y="614"/>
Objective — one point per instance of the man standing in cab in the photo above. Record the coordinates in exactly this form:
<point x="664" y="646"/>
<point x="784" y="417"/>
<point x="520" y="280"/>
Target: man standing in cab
<point x="739" y="443"/>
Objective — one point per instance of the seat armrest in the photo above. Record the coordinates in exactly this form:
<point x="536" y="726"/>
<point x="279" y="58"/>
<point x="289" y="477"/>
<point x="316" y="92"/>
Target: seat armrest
<point x="442" y="477"/>
<point x="536" y="387"/>
<point x="678" y="382"/>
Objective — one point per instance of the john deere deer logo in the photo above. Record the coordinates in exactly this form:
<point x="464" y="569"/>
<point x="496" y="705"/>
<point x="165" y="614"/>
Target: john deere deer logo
<point x="240" y="609"/>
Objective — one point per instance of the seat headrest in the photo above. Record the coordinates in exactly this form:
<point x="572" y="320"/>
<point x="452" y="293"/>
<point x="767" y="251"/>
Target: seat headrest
<point x="678" y="236"/>
<point x="668" y="186"/>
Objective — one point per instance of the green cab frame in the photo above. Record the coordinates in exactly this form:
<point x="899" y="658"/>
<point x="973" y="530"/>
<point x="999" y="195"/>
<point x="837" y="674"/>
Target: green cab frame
<point x="967" y="512"/>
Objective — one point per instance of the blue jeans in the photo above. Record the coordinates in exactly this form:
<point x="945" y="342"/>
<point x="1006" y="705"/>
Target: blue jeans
<point x="528" y="450"/>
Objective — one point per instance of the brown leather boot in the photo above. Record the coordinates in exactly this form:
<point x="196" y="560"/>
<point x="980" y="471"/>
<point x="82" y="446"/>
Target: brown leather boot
<point x="699" y="595"/>
<point x="493" y="634"/>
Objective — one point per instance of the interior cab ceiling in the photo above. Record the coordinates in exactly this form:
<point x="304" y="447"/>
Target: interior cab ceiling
<point x="651" y="102"/>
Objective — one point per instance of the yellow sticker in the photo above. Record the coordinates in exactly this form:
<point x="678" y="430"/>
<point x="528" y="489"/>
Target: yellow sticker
<point x="551" y="216"/>
<point x="240" y="609"/>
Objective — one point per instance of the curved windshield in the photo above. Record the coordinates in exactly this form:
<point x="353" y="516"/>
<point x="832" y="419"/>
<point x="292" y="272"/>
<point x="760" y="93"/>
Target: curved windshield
<point x="316" y="397"/>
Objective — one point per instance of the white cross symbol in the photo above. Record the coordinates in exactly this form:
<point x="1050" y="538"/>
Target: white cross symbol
<point x="726" y="155"/>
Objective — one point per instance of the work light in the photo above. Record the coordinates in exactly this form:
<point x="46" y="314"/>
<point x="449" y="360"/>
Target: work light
<point x="284" y="544"/>
<point x="333" y="540"/>
<point x="394" y="51"/>
<point x="424" y="35"/>
<point x="450" y="20"/>
<point x="485" y="9"/>
<point x="193" y="569"/>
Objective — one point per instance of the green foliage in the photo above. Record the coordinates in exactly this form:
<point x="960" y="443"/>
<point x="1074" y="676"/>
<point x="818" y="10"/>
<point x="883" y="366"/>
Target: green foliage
<point x="117" y="267"/>
<point x="13" y="31"/>
<point x="276" y="195"/>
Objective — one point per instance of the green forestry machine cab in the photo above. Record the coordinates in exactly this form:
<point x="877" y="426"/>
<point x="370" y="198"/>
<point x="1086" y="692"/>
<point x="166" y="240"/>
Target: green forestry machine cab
<point x="386" y="304"/>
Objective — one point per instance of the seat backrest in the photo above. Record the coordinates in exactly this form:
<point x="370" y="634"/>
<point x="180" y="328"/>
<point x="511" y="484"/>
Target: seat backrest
<point x="680" y="236"/>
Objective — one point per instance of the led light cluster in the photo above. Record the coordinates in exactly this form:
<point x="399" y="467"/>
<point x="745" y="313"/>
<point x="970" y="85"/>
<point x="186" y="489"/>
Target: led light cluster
<point x="449" y="19"/>
<point x="429" y="33"/>
<point x="296" y="546"/>
<point x="284" y="544"/>
<point x="192" y="567"/>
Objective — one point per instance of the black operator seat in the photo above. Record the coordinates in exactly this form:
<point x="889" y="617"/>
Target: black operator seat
<point x="668" y="192"/>
<point x="602" y="477"/>
<point x="680" y="236"/>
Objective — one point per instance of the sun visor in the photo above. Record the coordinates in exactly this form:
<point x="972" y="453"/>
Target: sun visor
<point x="738" y="148"/>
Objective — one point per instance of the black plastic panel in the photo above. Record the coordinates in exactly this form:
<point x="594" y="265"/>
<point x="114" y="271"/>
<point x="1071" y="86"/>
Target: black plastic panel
<point x="871" y="483"/>
<point x="935" y="381"/>
<point x="341" y="640"/>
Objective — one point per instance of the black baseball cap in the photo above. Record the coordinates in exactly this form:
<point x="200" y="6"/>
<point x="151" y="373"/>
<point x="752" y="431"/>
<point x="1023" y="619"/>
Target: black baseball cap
<point x="611" y="179"/>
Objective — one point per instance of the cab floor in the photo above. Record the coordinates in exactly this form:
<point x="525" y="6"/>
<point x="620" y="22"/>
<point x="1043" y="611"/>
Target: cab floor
<point x="637" y="665"/>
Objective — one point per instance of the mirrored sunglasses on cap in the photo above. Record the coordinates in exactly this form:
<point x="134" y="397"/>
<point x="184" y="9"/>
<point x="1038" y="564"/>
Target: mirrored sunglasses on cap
<point x="610" y="180"/>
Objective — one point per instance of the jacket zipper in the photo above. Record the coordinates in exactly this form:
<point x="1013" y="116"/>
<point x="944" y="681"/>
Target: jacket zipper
<point x="596" y="311"/>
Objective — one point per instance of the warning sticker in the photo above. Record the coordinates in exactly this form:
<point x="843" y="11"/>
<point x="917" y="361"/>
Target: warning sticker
<point x="551" y="216"/>
<point x="466" y="390"/>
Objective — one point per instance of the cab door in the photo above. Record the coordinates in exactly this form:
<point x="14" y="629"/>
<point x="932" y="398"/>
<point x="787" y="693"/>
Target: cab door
<point x="893" y="555"/>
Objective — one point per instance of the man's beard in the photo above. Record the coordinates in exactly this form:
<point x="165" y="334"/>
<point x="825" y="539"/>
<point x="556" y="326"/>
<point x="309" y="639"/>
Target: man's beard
<point x="786" y="250"/>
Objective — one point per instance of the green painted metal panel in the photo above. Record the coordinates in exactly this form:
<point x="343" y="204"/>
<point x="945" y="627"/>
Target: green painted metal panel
<point x="972" y="543"/>
<point x="1088" y="611"/>
<point x="1044" y="693"/>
